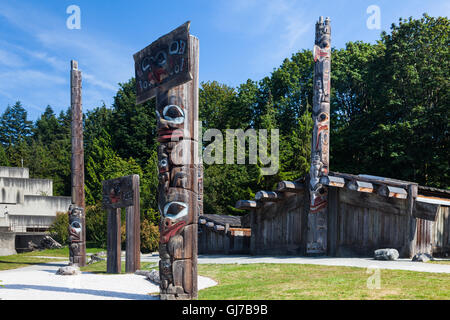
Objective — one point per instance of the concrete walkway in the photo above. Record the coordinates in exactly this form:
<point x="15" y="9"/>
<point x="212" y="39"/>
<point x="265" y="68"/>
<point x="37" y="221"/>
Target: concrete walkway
<point x="400" y="264"/>
<point x="40" y="282"/>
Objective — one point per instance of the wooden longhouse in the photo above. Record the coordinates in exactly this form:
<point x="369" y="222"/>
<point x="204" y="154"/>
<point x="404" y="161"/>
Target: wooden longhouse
<point x="365" y="213"/>
<point x="222" y="234"/>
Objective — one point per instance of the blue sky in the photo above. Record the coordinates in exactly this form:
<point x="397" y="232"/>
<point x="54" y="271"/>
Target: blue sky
<point x="239" y="39"/>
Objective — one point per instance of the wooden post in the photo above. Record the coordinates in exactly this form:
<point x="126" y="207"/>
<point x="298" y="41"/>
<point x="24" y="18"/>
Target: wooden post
<point x="120" y="193"/>
<point x="178" y="195"/>
<point x="133" y="249"/>
<point x="78" y="157"/>
<point x="168" y="69"/>
<point x="113" y="262"/>
<point x="317" y="217"/>
<point x="411" y="223"/>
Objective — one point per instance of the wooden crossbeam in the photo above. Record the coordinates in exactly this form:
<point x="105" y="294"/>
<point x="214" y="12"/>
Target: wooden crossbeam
<point x="392" y="192"/>
<point x="219" y="227"/>
<point x="360" y="186"/>
<point x="246" y="205"/>
<point x="332" y="181"/>
<point x="268" y="196"/>
<point x="290" y="186"/>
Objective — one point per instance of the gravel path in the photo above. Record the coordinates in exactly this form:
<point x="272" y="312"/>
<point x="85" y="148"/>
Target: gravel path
<point x="40" y="282"/>
<point x="400" y="264"/>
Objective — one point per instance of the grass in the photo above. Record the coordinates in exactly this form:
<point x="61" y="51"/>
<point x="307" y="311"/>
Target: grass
<point x="19" y="260"/>
<point x="313" y="282"/>
<point x="63" y="252"/>
<point x="30" y="258"/>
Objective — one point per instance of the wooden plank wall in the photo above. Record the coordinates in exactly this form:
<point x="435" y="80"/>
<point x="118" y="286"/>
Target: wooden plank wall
<point x="211" y="241"/>
<point x="363" y="226"/>
<point x="276" y="227"/>
<point x="441" y="231"/>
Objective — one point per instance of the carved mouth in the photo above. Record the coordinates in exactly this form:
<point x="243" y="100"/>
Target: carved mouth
<point x="171" y="231"/>
<point x="170" y="135"/>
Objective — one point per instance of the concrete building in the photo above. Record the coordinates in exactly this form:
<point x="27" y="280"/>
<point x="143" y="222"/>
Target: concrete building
<point x="27" y="205"/>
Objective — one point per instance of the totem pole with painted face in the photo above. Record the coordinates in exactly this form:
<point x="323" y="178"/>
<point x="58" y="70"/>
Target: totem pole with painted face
<point x="317" y="218"/>
<point x="168" y="69"/>
<point x="75" y="235"/>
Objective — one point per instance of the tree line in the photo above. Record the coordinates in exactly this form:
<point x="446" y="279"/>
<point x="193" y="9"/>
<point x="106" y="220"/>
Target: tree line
<point x="389" y="117"/>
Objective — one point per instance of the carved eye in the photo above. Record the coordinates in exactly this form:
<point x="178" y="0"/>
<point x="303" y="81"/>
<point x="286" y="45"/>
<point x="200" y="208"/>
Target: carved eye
<point x="161" y="58"/>
<point x="76" y="225"/>
<point x="175" y="210"/>
<point x="174" y="114"/>
<point x="163" y="163"/>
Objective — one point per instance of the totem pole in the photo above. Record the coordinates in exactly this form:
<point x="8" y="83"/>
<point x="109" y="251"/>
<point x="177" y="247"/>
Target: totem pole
<point x="168" y="69"/>
<point x="77" y="234"/>
<point x="317" y="217"/>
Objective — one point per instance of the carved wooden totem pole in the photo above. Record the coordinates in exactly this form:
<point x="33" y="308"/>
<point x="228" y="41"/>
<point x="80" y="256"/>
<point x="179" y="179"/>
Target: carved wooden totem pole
<point x="317" y="217"/>
<point x="77" y="234"/>
<point x="168" y="69"/>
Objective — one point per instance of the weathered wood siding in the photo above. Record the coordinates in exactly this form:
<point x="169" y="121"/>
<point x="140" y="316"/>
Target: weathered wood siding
<point x="441" y="231"/>
<point x="364" y="226"/>
<point x="277" y="227"/>
<point x="211" y="241"/>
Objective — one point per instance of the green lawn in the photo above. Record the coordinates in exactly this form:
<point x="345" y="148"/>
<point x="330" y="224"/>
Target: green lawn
<point x="293" y="281"/>
<point x="20" y="260"/>
<point x="64" y="252"/>
<point x="29" y="258"/>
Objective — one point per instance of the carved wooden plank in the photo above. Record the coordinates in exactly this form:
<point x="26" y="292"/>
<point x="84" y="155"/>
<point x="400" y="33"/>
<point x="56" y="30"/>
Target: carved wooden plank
<point x="118" y="193"/>
<point x="246" y="205"/>
<point x="164" y="64"/>
<point x="392" y="192"/>
<point x="290" y="186"/>
<point x="268" y="196"/>
<point x="425" y="211"/>
<point x="373" y="201"/>
<point x="360" y="186"/>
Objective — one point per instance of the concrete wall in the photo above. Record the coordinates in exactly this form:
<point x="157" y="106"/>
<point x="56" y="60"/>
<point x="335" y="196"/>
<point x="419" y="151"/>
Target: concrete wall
<point x="14" y="172"/>
<point x="13" y="190"/>
<point x="40" y="206"/>
<point x="7" y="243"/>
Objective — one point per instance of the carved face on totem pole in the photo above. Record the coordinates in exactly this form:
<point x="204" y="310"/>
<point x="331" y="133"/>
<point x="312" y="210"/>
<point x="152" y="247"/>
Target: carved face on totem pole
<point x="176" y="191"/>
<point x="75" y="233"/>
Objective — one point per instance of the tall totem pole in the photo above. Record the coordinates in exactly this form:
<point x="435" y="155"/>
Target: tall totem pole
<point x="168" y="69"/>
<point x="317" y="217"/>
<point x="77" y="228"/>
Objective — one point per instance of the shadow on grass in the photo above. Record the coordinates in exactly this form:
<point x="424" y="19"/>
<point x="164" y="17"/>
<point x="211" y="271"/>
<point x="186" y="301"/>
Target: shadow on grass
<point x="100" y="293"/>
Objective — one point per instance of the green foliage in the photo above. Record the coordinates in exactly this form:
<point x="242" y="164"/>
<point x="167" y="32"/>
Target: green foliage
<point x="96" y="225"/>
<point x="14" y="126"/>
<point x="149" y="237"/>
<point x="59" y="228"/>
